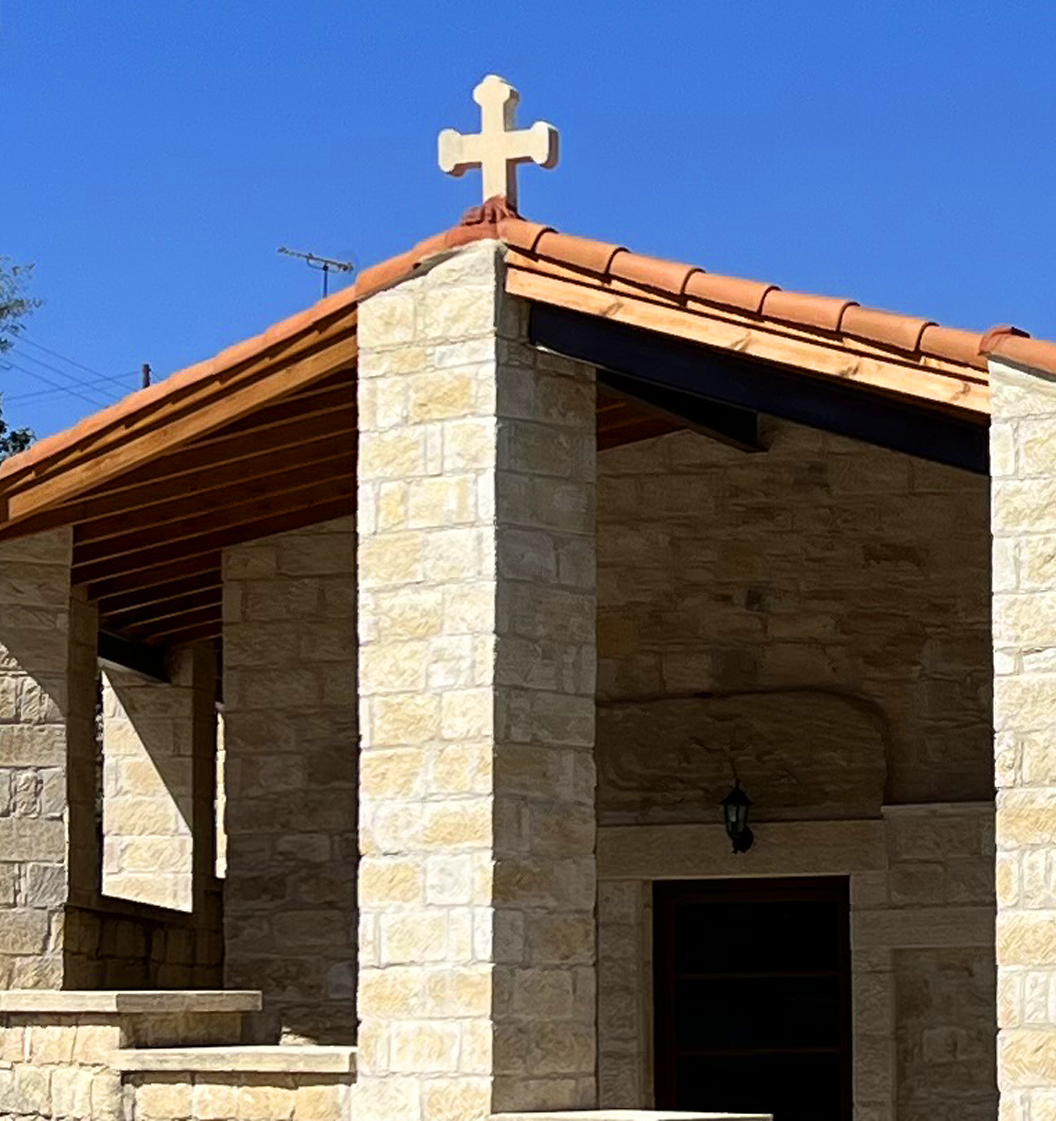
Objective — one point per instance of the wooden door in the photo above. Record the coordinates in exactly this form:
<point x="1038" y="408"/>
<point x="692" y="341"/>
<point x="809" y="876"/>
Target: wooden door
<point x="753" y="997"/>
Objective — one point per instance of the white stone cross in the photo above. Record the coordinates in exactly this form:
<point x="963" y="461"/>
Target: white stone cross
<point x="499" y="147"/>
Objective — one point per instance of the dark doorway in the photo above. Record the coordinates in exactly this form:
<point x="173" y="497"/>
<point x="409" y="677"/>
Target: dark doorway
<point x="753" y="997"/>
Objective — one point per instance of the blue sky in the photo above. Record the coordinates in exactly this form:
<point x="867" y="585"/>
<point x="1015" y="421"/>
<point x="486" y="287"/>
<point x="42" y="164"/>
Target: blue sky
<point x="155" y="155"/>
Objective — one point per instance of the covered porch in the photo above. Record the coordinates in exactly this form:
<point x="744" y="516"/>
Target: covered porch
<point x="496" y="571"/>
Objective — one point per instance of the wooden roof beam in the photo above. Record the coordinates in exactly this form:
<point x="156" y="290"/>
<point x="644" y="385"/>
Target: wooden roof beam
<point x="330" y="500"/>
<point x="239" y="398"/>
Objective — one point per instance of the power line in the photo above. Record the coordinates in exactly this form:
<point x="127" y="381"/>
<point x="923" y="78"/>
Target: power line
<point x="9" y="365"/>
<point x="82" y="383"/>
<point x="56" y="354"/>
<point x="10" y="399"/>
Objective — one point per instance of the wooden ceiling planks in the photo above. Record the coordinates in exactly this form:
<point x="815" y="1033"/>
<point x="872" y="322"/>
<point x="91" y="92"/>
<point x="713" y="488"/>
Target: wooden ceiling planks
<point x="148" y="541"/>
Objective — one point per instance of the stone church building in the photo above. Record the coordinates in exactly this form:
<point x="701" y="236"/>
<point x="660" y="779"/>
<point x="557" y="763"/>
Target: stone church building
<point x="370" y="693"/>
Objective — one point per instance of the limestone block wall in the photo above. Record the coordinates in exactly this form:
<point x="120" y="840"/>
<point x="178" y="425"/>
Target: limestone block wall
<point x="148" y="786"/>
<point x="290" y="729"/>
<point x="47" y="663"/>
<point x="830" y="599"/>
<point x="236" y="1097"/>
<point x="922" y="949"/>
<point x="477" y="983"/>
<point x="1023" y="464"/>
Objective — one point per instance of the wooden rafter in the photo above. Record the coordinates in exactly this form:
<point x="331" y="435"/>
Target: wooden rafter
<point x="141" y="443"/>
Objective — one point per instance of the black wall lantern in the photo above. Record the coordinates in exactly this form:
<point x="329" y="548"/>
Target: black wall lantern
<point x="735" y="807"/>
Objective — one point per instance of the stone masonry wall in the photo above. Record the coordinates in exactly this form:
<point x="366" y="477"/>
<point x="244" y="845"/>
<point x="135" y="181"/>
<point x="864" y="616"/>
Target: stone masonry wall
<point x="1023" y="464"/>
<point x="477" y="982"/>
<point x="42" y="637"/>
<point x="148" y="787"/>
<point x="831" y="600"/>
<point x="290" y="731"/>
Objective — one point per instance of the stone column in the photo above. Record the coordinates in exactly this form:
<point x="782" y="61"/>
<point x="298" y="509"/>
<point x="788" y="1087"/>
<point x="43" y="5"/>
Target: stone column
<point x="48" y="844"/>
<point x="477" y="621"/>
<point x="1023" y="465"/>
<point x="291" y="755"/>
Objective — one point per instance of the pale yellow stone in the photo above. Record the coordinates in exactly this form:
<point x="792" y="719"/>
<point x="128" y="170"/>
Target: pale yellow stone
<point x="398" y="773"/>
<point x="406" y="719"/>
<point x="1026" y="938"/>
<point x="409" y="613"/>
<point x="478" y="1047"/>
<point x="397" y="992"/>
<point x="386" y="319"/>
<point x="164" y="1100"/>
<point x="424" y="1047"/>
<point x="443" y="501"/>
<point x="469" y="609"/>
<point x="390" y="880"/>
<point x="393" y="667"/>
<point x="1027" y="1057"/>
<point x="318" y="1103"/>
<point x="394" y="558"/>
<point x="265" y="1103"/>
<point x="462" y="768"/>
<point x="467" y="714"/>
<point x="215" y="1101"/>
<point x="441" y="394"/>
<point x="456" y="1099"/>
<point x="469" y="445"/>
<point x="392" y="506"/>
<point x="458" y="992"/>
<point x="392" y="454"/>
<point x="455" y="554"/>
<point x="408" y="938"/>
<point x="460" y="824"/>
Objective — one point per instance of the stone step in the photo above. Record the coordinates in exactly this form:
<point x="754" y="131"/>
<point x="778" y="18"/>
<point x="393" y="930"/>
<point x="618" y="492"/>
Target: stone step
<point x="251" y="1059"/>
<point x="310" y="1083"/>
<point x="121" y="1002"/>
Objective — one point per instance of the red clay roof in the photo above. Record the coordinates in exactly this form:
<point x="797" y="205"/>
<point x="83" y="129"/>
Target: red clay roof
<point x="835" y="315"/>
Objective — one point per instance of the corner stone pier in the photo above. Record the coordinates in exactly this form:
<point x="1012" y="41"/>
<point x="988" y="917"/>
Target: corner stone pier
<point x="1023" y="466"/>
<point x="476" y="623"/>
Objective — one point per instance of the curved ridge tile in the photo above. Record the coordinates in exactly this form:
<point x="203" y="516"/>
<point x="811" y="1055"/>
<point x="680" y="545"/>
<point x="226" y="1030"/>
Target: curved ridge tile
<point x="823" y="312"/>
<point x="885" y="327"/>
<point x="1038" y="354"/>
<point x="652" y="272"/>
<point x="952" y="344"/>
<point x="578" y="252"/>
<point x="728" y="291"/>
<point x="522" y="234"/>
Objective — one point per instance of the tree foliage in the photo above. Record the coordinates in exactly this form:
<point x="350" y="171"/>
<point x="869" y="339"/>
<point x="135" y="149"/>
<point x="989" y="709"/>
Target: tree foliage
<point x="15" y="305"/>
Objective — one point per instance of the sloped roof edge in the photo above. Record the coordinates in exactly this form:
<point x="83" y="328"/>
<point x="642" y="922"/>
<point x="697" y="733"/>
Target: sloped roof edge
<point x="833" y="315"/>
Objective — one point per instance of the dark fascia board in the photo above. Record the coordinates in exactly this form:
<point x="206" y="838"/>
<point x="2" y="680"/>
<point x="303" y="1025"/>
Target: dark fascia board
<point x="704" y="373"/>
<point x="737" y="428"/>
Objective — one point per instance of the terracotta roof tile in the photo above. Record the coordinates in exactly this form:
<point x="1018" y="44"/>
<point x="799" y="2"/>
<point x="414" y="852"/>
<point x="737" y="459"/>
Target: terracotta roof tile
<point x="1039" y="354"/>
<point x="601" y="259"/>
<point x="824" y="312"/>
<point x="729" y="291"/>
<point x="521" y="234"/>
<point x="650" y="272"/>
<point x="952" y="344"/>
<point x="579" y="252"/>
<point x="993" y="336"/>
<point x="885" y="327"/>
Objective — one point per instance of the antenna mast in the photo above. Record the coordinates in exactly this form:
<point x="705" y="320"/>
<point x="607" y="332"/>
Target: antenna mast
<point x="323" y="264"/>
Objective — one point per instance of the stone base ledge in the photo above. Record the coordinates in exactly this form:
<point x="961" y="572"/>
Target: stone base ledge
<point x="630" y="1115"/>
<point x="237" y="1060"/>
<point x="79" y="1002"/>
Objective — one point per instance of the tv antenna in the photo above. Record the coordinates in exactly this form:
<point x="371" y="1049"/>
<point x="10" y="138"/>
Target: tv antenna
<point x="322" y="264"/>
